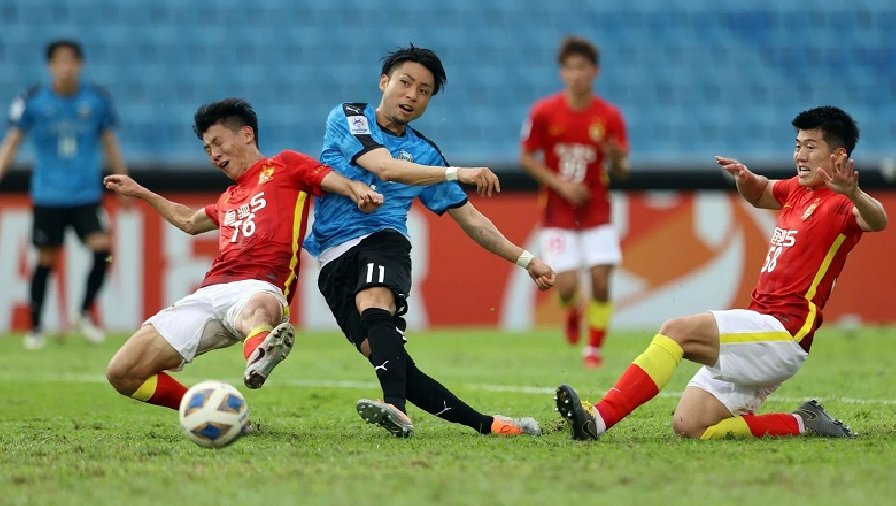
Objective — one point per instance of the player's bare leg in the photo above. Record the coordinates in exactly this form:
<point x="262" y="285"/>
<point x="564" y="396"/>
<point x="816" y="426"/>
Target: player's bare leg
<point x="599" y="312"/>
<point x="567" y="287"/>
<point x="137" y="368"/>
<point x="35" y="339"/>
<point x="268" y="341"/>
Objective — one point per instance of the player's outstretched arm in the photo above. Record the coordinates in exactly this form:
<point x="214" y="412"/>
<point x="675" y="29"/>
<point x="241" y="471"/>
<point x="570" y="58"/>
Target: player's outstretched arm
<point x="364" y="196"/>
<point x="191" y="221"/>
<point x="380" y="162"/>
<point x="479" y="228"/>
<point x="755" y="189"/>
<point x="844" y="179"/>
<point x="9" y="148"/>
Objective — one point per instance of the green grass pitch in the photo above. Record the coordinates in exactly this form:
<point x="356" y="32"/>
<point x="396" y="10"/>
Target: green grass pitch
<point x="67" y="438"/>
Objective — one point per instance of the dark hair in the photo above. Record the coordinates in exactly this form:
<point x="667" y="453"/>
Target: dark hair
<point x="234" y="113"/>
<point x="419" y="55"/>
<point x="572" y="45"/>
<point x="55" y="45"/>
<point x="837" y="127"/>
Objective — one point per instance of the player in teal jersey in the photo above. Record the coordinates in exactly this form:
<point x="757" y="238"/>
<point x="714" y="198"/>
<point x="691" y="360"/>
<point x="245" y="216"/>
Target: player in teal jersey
<point x="366" y="262"/>
<point x="68" y="121"/>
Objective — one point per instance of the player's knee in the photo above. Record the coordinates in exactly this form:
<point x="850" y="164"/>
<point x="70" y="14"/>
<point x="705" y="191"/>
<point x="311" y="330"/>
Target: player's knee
<point x="675" y="329"/>
<point x="118" y="376"/>
<point x="686" y="427"/>
<point x="263" y="307"/>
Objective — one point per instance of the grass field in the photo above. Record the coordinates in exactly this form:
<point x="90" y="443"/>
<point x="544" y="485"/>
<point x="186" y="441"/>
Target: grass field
<point x="67" y="438"/>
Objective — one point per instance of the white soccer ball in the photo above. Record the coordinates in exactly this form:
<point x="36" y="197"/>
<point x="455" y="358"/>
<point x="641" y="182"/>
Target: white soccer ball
<point x="213" y="413"/>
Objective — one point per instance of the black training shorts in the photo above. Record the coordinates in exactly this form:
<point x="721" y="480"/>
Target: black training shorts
<point x="48" y="228"/>
<point x="381" y="259"/>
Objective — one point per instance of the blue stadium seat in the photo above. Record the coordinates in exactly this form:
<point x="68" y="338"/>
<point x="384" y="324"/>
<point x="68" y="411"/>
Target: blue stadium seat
<point x="694" y="77"/>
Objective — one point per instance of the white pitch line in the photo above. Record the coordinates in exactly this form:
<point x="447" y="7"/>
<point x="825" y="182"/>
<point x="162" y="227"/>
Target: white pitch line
<point x="366" y="385"/>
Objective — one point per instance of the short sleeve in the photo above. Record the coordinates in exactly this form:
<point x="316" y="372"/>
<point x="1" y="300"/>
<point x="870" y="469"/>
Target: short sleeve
<point x="783" y="188"/>
<point x="443" y="196"/>
<point x="211" y="211"/>
<point x="532" y="134"/>
<point x="349" y="131"/>
<point x="108" y="118"/>
<point x="305" y="171"/>
<point x="616" y="129"/>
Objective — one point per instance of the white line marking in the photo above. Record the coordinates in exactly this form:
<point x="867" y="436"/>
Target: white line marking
<point x="366" y="385"/>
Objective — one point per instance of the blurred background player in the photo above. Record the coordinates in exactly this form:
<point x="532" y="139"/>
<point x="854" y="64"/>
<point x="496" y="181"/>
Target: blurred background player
<point x="68" y="121"/>
<point x="366" y="262"/>
<point x="747" y="353"/>
<point x="582" y="138"/>
<point x="245" y="296"/>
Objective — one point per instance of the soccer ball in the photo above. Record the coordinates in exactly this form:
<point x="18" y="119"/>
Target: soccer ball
<point x="213" y="413"/>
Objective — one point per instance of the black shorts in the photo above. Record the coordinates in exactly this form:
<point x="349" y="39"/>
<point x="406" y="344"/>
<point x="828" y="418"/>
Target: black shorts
<point x="48" y="228"/>
<point x="381" y="259"/>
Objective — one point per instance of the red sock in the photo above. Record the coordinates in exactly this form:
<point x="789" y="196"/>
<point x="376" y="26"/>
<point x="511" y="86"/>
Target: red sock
<point x="251" y="343"/>
<point x="773" y="424"/>
<point x="596" y="337"/>
<point x="634" y="388"/>
<point x="254" y="339"/>
<point x="161" y="390"/>
<point x="644" y="378"/>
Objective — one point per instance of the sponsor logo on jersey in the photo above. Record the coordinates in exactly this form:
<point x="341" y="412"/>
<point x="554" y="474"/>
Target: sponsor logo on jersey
<point x="404" y="155"/>
<point x="357" y="125"/>
<point x="84" y="110"/>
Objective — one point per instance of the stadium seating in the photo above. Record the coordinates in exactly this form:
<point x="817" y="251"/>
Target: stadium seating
<point x="693" y="77"/>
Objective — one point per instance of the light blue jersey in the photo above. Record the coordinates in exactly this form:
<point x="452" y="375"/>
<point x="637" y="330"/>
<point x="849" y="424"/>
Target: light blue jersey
<point x="66" y="132"/>
<point x="352" y="130"/>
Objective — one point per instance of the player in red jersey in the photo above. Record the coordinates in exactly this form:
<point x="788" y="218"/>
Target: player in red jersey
<point x="245" y="296"/>
<point x="747" y="353"/>
<point x="583" y="140"/>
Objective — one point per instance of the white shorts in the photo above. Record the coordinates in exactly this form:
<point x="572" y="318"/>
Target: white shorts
<point x="756" y="355"/>
<point x="568" y="250"/>
<point x="205" y="319"/>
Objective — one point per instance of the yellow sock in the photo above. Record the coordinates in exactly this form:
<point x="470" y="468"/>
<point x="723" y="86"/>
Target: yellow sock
<point x="144" y="393"/>
<point x="258" y="330"/>
<point x="599" y="314"/>
<point x="735" y="426"/>
<point x="660" y="359"/>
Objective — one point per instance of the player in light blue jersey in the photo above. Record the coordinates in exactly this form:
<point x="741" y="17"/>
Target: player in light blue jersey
<point x="68" y="122"/>
<point x="366" y="263"/>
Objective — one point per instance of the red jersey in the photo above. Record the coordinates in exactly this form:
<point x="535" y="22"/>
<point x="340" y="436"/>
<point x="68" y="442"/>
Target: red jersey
<point x="571" y="143"/>
<point x="262" y="220"/>
<point x="814" y="233"/>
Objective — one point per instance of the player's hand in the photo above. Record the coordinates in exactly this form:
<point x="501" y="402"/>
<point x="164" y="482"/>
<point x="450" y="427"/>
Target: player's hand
<point x="541" y="273"/>
<point x="740" y="171"/>
<point x="615" y="155"/>
<point x="576" y="194"/>
<point x="367" y="199"/>
<point x="844" y="177"/>
<point x="483" y="178"/>
<point x="123" y="185"/>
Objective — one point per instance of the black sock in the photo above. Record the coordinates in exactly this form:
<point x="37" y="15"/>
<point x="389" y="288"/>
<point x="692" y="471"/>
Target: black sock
<point x="431" y="396"/>
<point x="95" y="279"/>
<point x="387" y="354"/>
<point x="38" y="292"/>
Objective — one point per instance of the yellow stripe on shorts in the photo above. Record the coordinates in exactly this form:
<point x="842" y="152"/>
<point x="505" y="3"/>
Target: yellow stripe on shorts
<point x="754" y="337"/>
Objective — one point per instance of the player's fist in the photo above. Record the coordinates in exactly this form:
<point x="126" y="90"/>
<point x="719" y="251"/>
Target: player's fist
<point x="367" y="198"/>
<point x="541" y="273"/>
<point x="123" y="185"/>
<point x="482" y="178"/>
